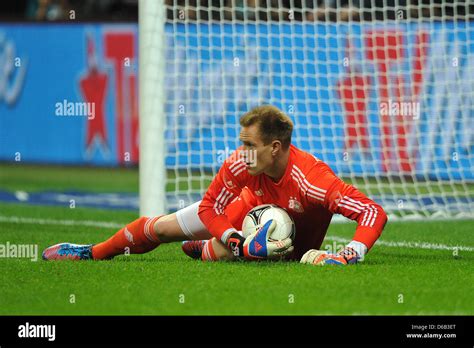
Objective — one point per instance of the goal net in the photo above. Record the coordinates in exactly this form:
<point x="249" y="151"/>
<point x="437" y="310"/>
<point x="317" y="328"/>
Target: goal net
<point x="382" y="91"/>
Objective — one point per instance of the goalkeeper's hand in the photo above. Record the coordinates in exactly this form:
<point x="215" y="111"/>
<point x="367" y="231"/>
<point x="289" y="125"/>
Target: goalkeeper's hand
<point x="320" y="258"/>
<point x="258" y="246"/>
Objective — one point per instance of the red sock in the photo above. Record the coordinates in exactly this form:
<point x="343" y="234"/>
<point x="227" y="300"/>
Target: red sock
<point x="138" y="236"/>
<point x="208" y="253"/>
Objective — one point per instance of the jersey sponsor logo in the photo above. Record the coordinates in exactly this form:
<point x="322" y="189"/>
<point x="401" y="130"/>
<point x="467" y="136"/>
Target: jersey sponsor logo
<point x="295" y="205"/>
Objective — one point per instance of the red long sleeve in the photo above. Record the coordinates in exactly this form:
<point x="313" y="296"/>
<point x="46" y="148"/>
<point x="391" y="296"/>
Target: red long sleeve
<point x="345" y="199"/>
<point x="225" y="187"/>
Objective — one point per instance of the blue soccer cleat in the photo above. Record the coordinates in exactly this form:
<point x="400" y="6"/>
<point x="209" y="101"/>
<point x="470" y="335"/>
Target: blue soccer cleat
<point x="193" y="248"/>
<point x="68" y="251"/>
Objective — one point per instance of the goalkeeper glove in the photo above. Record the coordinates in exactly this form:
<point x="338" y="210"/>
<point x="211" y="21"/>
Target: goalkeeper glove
<point x="350" y="255"/>
<point x="257" y="245"/>
<point x="319" y="257"/>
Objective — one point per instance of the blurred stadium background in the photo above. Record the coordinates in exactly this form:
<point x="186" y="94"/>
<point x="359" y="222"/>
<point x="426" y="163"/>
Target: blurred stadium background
<point x="331" y="65"/>
<point x="382" y="90"/>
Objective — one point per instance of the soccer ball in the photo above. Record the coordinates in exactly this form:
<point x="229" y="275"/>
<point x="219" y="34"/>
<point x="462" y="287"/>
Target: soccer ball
<point x="258" y="216"/>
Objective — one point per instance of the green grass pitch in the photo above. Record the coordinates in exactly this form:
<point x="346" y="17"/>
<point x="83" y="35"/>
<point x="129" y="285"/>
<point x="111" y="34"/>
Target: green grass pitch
<point x="394" y="279"/>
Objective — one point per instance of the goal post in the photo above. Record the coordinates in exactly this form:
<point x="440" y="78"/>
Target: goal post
<point x="384" y="95"/>
<point x="152" y="94"/>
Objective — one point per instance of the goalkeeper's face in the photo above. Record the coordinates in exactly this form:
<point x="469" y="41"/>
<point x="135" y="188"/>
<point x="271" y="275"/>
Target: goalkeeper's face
<point x="258" y="156"/>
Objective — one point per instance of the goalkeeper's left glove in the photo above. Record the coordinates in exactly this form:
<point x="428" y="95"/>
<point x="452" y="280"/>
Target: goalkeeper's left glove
<point x="258" y="246"/>
<point x="319" y="257"/>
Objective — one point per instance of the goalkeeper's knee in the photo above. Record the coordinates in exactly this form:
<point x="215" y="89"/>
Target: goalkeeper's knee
<point x="167" y="229"/>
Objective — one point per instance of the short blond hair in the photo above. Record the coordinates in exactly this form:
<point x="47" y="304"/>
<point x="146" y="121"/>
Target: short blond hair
<point x="273" y="124"/>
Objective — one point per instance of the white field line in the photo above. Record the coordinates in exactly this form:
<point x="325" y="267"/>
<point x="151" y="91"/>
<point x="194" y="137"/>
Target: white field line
<point x="104" y="224"/>
<point x="410" y="245"/>
<point x="36" y="221"/>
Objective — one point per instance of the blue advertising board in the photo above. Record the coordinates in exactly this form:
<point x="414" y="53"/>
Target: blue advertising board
<point x="366" y="98"/>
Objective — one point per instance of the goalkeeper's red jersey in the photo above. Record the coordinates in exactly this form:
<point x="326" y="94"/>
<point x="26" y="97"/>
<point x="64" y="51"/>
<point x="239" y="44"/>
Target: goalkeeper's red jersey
<point x="309" y="191"/>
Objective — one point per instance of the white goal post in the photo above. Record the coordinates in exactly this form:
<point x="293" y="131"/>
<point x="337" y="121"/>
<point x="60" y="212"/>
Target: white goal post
<point x="152" y="46"/>
<point x="384" y="95"/>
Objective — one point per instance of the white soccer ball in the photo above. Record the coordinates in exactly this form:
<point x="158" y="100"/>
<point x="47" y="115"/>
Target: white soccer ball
<point x="258" y="216"/>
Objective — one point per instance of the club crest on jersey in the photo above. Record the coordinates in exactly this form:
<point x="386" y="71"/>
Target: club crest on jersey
<point x="293" y="204"/>
<point x="229" y="184"/>
<point x="259" y="192"/>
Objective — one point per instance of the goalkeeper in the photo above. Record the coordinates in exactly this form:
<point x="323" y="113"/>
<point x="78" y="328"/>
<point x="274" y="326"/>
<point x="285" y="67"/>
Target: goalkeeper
<point x="265" y="169"/>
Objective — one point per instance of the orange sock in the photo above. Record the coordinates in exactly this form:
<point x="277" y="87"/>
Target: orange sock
<point x="208" y="253"/>
<point x="138" y="236"/>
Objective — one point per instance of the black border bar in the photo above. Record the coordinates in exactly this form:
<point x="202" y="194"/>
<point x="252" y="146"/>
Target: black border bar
<point x="195" y="331"/>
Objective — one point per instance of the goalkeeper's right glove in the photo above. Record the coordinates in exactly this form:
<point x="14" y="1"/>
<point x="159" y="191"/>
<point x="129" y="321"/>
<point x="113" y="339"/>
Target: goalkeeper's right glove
<point x="320" y="258"/>
<point x="258" y="246"/>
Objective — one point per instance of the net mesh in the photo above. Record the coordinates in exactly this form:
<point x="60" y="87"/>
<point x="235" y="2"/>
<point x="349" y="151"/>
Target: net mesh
<point x="382" y="91"/>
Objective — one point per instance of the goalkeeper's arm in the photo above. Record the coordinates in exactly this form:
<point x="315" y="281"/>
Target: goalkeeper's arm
<point x="226" y="186"/>
<point x="345" y="199"/>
